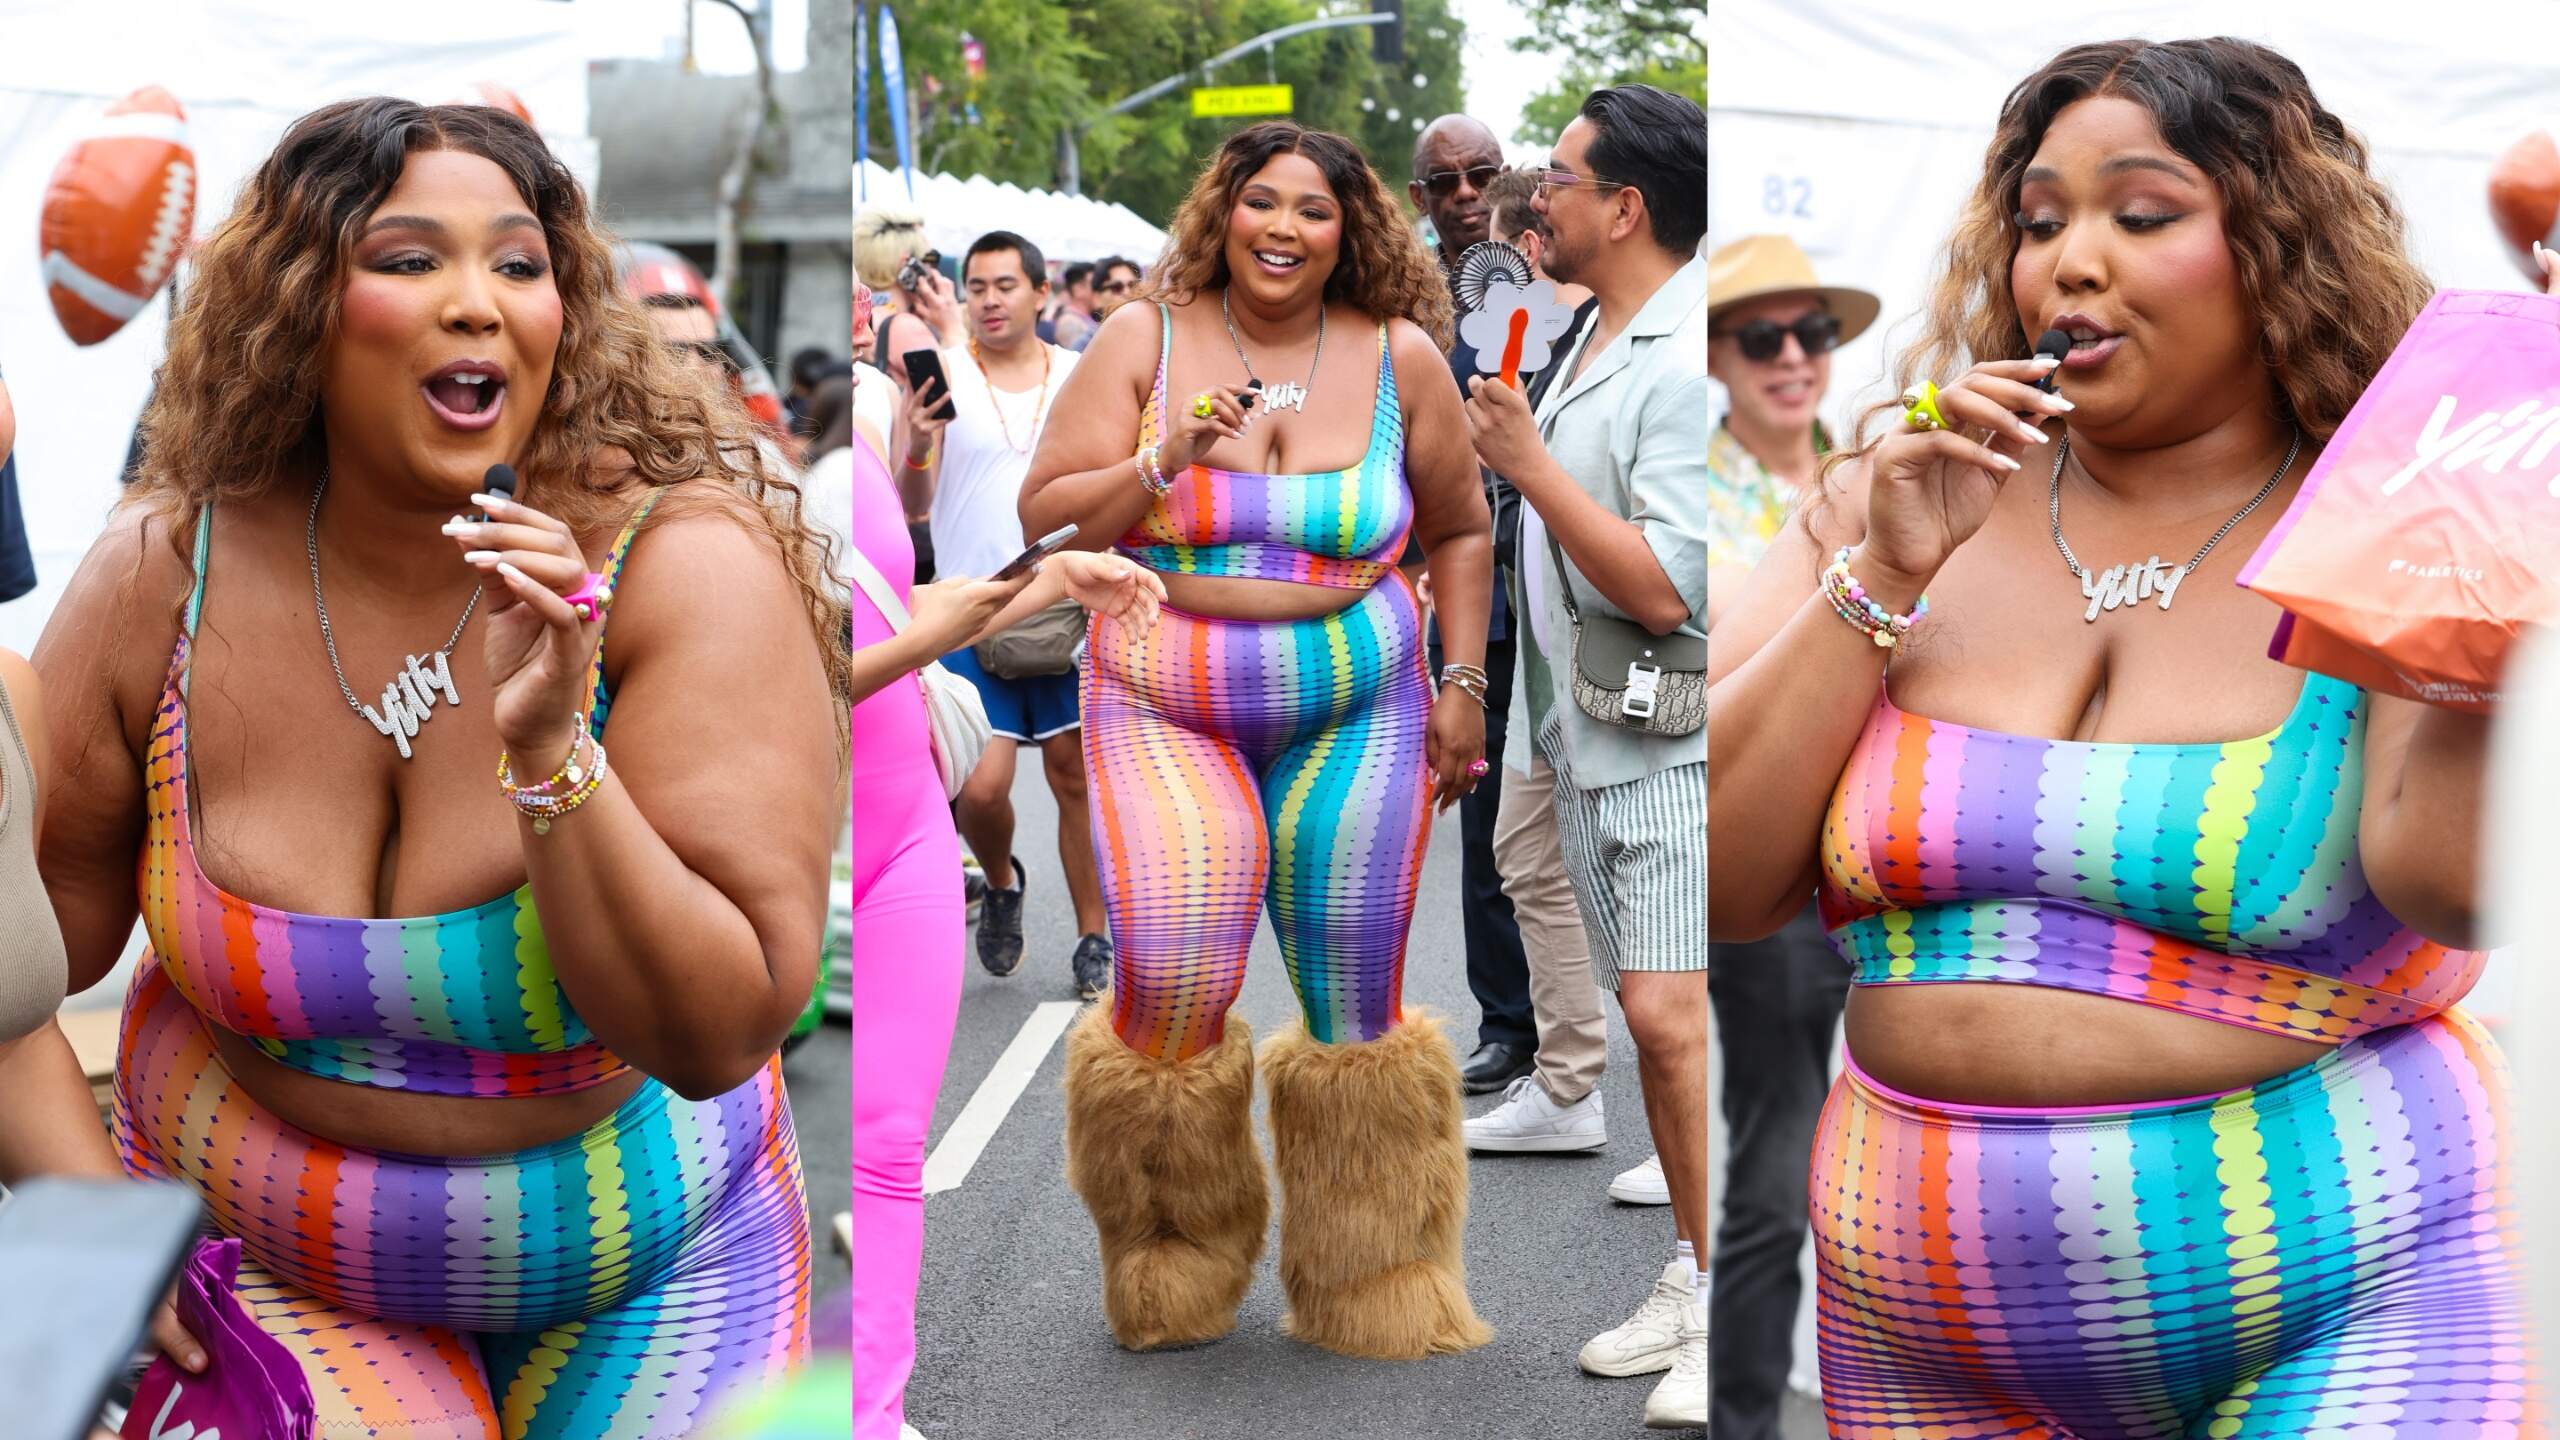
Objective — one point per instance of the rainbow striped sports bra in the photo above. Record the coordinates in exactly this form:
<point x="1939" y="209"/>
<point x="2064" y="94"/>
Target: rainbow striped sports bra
<point x="1343" y="528"/>
<point x="2214" y="880"/>
<point x="463" y="1003"/>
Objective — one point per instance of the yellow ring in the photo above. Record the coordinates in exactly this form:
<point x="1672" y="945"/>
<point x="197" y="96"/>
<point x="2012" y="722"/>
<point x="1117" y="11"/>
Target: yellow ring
<point x="1923" y="412"/>
<point x="1202" y="406"/>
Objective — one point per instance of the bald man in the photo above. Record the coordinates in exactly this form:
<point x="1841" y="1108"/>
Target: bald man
<point x="1454" y="158"/>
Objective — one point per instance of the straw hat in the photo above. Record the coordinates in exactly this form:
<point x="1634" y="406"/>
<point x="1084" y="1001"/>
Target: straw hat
<point x="1757" y="266"/>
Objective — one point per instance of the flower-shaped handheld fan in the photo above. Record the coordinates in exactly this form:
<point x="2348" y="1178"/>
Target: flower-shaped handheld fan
<point x="1508" y="313"/>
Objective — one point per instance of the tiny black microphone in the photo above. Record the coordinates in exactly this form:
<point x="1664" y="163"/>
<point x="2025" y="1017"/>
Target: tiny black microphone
<point x="500" y="481"/>
<point x="2056" y="344"/>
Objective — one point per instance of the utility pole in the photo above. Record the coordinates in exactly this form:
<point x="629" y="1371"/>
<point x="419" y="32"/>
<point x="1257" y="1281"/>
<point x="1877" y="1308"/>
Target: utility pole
<point x="1071" y="170"/>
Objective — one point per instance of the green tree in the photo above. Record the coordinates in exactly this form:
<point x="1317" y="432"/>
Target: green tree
<point x="1051" y="66"/>
<point x="1609" y="42"/>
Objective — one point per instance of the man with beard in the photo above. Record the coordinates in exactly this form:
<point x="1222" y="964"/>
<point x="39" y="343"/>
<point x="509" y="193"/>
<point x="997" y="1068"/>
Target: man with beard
<point x="1454" y="159"/>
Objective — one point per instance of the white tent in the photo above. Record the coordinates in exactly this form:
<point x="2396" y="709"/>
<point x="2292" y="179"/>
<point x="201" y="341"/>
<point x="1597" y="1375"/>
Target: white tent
<point x="244" y="69"/>
<point x="956" y="212"/>
<point x="1860" y="133"/>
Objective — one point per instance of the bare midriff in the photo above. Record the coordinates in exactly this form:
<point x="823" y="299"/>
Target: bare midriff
<point x="370" y="1118"/>
<point x="2053" y="1047"/>
<point x="1230" y="597"/>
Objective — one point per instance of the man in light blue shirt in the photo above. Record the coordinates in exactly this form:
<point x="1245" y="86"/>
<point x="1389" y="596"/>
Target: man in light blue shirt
<point x="1613" y="464"/>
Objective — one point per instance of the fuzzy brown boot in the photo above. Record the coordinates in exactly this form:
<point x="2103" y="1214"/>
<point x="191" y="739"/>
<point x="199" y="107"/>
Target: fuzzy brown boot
<point x="1373" y="1184"/>
<point x="1163" y="1155"/>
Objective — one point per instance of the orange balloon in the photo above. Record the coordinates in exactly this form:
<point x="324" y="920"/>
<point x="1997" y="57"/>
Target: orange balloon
<point x="2524" y="198"/>
<point x="117" y="213"/>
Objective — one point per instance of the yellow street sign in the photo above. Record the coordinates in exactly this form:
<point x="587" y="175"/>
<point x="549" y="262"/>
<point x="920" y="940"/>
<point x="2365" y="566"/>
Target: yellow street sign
<point x="1243" y="100"/>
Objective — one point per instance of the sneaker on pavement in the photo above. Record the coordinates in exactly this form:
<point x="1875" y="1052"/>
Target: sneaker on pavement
<point x="1093" y="958"/>
<point x="1680" y="1401"/>
<point x="1527" y="1120"/>
<point x="909" y="1432"/>
<point x="1642" y="1185"/>
<point x="1000" y="925"/>
<point x="1651" y="1338"/>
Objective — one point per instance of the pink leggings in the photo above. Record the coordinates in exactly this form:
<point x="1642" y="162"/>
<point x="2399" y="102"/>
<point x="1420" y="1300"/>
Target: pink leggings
<point x="909" y="921"/>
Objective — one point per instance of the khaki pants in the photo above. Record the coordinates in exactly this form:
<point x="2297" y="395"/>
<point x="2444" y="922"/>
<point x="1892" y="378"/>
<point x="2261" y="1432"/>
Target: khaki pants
<point x="1573" y="1030"/>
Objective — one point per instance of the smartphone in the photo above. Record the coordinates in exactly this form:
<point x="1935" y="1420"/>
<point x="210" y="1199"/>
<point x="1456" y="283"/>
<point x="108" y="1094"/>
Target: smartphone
<point x="923" y="365"/>
<point x="1047" y="545"/>
<point x="100" y="1253"/>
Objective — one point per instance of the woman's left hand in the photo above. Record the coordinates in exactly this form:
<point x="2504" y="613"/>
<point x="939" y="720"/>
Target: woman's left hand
<point x="1454" y="743"/>
<point x="1111" y="585"/>
<point x="537" y="647"/>
<point x="2549" y="260"/>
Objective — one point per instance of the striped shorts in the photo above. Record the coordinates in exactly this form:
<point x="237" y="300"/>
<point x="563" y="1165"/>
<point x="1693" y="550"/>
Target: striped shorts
<point x="1637" y="856"/>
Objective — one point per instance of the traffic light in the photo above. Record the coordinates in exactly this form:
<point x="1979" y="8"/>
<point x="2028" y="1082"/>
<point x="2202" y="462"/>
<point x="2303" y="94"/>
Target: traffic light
<point x="1386" y="42"/>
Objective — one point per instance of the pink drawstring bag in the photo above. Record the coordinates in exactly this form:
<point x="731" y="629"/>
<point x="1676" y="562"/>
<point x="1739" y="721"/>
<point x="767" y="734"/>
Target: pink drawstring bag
<point x="2420" y="544"/>
<point x="251" y="1389"/>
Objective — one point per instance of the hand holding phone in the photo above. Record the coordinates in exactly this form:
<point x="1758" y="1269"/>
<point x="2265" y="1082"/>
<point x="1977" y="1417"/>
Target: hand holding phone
<point x="1046" y="545"/>
<point x="924" y="365"/>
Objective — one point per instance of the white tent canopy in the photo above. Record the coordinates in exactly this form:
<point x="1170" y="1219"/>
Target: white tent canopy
<point x="956" y="212"/>
<point x="244" y="70"/>
<point x="1867" y="168"/>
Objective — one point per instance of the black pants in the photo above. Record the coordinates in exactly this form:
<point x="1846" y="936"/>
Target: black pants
<point x="1497" y="968"/>
<point x="1777" y="1005"/>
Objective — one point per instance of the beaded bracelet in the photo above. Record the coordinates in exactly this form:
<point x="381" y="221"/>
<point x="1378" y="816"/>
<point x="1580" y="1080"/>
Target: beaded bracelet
<point x="1149" y="474"/>
<point x="1471" y="679"/>
<point x="1849" y="600"/>
<point x="543" y="802"/>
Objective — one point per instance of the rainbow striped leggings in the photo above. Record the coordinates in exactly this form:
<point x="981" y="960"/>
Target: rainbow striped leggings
<point x="617" y="1285"/>
<point x="1230" y="761"/>
<point x="2326" y="1256"/>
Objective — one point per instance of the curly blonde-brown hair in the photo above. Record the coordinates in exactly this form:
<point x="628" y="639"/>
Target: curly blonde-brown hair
<point x="1384" y="270"/>
<point x="2319" y="243"/>
<point x="237" y="406"/>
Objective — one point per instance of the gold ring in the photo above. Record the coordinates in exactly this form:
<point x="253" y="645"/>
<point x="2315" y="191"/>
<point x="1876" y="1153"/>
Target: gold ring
<point x="1202" y="406"/>
<point x="1922" y="413"/>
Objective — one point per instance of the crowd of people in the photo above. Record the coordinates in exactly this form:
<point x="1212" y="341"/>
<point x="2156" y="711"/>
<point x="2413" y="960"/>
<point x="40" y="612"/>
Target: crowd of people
<point x="1283" y="634"/>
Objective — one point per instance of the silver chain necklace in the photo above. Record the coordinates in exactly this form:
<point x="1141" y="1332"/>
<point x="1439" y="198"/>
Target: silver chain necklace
<point x="2128" y="585"/>
<point x="1288" y="394"/>
<point x="411" y="697"/>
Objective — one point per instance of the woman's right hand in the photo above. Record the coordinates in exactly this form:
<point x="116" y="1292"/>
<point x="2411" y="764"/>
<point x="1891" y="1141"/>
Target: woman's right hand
<point x="947" y="613"/>
<point x="1929" y="491"/>
<point x="1194" y="434"/>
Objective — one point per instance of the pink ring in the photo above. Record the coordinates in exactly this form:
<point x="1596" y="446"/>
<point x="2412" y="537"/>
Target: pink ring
<point x="590" y="599"/>
<point x="1479" y="768"/>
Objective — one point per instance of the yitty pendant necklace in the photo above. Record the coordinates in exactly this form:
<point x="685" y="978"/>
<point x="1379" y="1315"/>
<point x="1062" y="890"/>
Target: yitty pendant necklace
<point x="411" y="696"/>
<point x="1288" y="394"/>
<point x="2128" y="585"/>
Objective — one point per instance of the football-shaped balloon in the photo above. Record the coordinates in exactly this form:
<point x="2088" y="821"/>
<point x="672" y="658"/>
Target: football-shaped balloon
<point x="497" y="97"/>
<point x="2524" y="198"/>
<point x="116" y="215"/>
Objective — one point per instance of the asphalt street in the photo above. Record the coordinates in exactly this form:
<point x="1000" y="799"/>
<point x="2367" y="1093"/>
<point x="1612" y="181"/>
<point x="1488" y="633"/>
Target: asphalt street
<point x="1010" y="1330"/>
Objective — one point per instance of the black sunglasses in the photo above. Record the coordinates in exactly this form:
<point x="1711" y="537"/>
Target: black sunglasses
<point x="1766" y="339"/>
<point x="1444" y="183"/>
<point x="705" y="350"/>
<point x="1117" y="287"/>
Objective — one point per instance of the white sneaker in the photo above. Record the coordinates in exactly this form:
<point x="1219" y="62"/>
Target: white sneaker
<point x="1651" y="1338"/>
<point x="1527" y="1120"/>
<point x="1643" y="1185"/>
<point x="909" y="1432"/>
<point x="1680" y="1401"/>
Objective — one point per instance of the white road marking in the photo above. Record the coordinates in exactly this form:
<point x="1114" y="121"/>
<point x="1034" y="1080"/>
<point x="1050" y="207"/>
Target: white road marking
<point x="966" y="1140"/>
